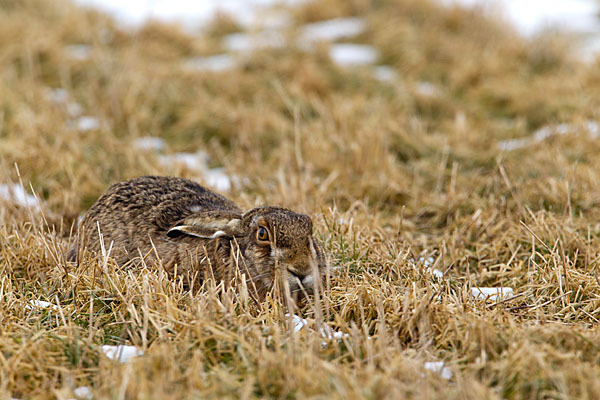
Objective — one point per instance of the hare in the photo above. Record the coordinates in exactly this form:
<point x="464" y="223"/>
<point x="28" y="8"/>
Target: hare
<point x="196" y="233"/>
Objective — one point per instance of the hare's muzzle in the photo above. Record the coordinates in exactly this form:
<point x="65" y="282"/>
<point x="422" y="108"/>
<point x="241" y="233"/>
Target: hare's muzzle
<point x="300" y="282"/>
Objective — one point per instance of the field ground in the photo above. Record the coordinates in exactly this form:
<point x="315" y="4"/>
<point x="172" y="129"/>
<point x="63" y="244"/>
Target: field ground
<point x="475" y="156"/>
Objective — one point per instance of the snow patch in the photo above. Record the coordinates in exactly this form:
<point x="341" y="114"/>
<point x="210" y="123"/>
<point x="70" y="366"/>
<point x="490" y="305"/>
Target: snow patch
<point x="427" y="89"/>
<point x="591" y="128"/>
<point x="435" y="272"/>
<point x="41" y="304"/>
<point x="531" y="16"/>
<point x="85" y="123"/>
<point x="191" y="14"/>
<point x="439" y="367"/>
<point x="198" y="162"/>
<point x="122" y="353"/>
<point x="332" y="29"/>
<point x="61" y="97"/>
<point x="329" y="333"/>
<point x="326" y="332"/>
<point x="15" y="193"/>
<point x="428" y="263"/>
<point x="297" y="323"/>
<point x="491" y="293"/>
<point x="218" y="179"/>
<point x="83" y="392"/>
<point x="149" y="143"/>
<point x="425" y="262"/>
<point x="385" y="73"/>
<point x="249" y="42"/>
<point x="349" y="55"/>
<point x="194" y="161"/>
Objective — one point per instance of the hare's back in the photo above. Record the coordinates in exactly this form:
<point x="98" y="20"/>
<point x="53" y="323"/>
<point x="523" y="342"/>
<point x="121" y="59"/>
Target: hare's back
<point x="163" y="199"/>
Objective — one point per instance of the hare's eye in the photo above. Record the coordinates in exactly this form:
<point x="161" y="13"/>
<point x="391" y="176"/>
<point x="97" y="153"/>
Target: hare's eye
<point x="262" y="234"/>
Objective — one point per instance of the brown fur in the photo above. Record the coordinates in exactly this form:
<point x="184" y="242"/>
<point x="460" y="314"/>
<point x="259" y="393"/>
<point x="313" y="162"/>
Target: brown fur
<point x="194" y="233"/>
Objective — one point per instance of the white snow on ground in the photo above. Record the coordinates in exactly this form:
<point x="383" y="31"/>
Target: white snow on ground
<point x="427" y="263"/>
<point x="61" y="97"/>
<point x="149" y="143"/>
<point x="80" y="393"/>
<point x="216" y="178"/>
<point x="85" y="123"/>
<point x="83" y="392"/>
<point x="592" y="128"/>
<point x="332" y="30"/>
<point x="530" y="16"/>
<point x="491" y="293"/>
<point x="348" y="54"/>
<point x="326" y="332"/>
<point x="15" y="193"/>
<point x="329" y="333"/>
<point x="436" y="272"/>
<point x="298" y="323"/>
<point x="385" y="73"/>
<point x="41" y="304"/>
<point x="122" y="353"/>
<point x="248" y="42"/>
<point x="194" y="161"/>
<point x="438" y="367"/>
<point x="191" y="14"/>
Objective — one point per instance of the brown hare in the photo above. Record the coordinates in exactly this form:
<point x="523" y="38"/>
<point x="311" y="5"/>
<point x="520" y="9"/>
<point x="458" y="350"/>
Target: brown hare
<point x="195" y="233"/>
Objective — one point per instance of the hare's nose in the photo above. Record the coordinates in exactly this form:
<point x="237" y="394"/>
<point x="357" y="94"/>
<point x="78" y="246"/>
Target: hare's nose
<point x="305" y="279"/>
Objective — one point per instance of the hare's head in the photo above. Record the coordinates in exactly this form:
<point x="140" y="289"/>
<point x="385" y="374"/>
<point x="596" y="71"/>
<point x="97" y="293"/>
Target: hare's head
<point x="275" y="246"/>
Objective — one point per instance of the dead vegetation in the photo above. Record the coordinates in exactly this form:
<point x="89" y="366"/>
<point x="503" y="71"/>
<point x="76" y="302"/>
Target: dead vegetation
<point x="404" y="178"/>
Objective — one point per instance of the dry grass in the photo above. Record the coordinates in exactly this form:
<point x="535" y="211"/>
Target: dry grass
<point x="389" y="173"/>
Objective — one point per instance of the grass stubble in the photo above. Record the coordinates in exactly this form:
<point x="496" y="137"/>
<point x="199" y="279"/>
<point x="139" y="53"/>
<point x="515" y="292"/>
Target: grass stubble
<point x="390" y="173"/>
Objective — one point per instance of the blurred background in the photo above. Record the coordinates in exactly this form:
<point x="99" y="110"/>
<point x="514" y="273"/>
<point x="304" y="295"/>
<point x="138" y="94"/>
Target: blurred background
<point x="324" y="101"/>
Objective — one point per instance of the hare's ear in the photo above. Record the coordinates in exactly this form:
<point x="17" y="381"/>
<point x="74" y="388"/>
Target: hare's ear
<point x="207" y="225"/>
<point x="195" y="231"/>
